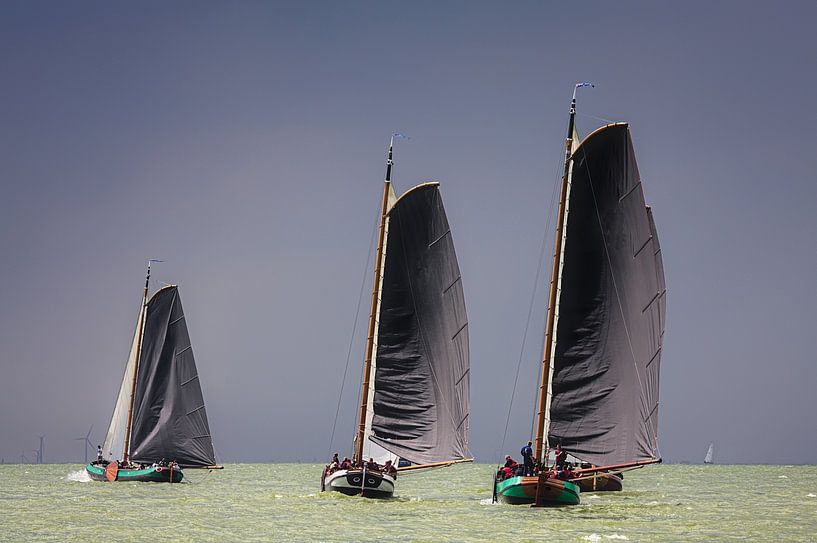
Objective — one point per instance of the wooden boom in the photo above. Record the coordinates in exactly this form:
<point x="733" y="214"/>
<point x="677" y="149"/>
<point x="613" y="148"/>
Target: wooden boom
<point x="435" y="464"/>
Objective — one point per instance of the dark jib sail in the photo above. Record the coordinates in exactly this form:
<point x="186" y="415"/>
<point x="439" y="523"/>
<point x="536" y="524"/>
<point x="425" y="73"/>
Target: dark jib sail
<point x="421" y="400"/>
<point x="604" y="404"/>
<point x="169" y="420"/>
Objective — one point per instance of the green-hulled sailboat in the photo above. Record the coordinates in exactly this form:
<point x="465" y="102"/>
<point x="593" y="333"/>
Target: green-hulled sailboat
<point x="598" y="396"/>
<point x="159" y="424"/>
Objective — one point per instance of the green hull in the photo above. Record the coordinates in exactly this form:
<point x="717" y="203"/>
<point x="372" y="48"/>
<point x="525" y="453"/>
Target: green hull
<point x="522" y="490"/>
<point x="153" y="474"/>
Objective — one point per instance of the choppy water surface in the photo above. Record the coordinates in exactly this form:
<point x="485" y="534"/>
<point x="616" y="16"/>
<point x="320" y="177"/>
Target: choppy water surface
<point x="281" y="502"/>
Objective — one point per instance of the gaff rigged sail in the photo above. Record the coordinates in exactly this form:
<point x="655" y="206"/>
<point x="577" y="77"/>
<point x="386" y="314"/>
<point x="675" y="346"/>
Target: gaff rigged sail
<point x="611" y="309"/>
<point x="169" y="418"/>
<point x="421" y="384"/>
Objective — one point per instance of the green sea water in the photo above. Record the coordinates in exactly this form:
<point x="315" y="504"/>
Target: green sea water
<point x="282" y="502"/>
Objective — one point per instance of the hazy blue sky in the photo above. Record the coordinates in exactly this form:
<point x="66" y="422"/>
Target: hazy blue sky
<point x="244" y="143"/>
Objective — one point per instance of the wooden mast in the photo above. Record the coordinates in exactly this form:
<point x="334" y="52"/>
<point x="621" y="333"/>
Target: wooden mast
<point x="142" y="316"/>
<point x="555" y="280"/>
<point x="367" y="367"/>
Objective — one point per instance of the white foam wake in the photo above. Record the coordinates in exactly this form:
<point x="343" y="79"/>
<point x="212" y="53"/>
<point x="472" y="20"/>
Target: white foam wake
<point x="80" y="476"/>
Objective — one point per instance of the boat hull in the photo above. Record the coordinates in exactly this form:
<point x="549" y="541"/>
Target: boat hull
<point x="602" y="482"/>
<point x="522" y="491"/>
<point x="350" y="482"/>
<point x="153" y="474"/>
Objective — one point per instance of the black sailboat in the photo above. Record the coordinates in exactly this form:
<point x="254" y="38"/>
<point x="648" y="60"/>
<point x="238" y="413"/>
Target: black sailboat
<point x="600" y="373"/>
<point x="415" y="391"/>
<point x="159" y="424"/>
<point x="612" y="306"/>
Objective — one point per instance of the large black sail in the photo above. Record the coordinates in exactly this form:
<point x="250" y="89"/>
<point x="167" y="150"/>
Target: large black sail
<point x="169" y="420"/>
<point x="421" y="400"/>
<point x="604" y="404"/>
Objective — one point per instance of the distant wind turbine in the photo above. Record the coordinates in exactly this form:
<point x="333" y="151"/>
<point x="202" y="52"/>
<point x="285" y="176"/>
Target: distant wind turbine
<point x="22" y="457"/>
<point x="87" y="441"/>
<point x="41" y="452"/>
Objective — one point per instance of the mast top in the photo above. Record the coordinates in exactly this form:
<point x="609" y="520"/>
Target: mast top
<point x="147" y="278"/>
<point x="580" y="85"/>
<point x="389" y="161"/>
<point x="572" y="123"/>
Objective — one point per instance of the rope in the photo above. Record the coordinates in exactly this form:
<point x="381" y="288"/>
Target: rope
<point x="608" y="121"/>
<point x="351" y="341"/>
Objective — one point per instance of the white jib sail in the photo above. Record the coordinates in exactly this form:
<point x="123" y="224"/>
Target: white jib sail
<point x="115" y="439"/>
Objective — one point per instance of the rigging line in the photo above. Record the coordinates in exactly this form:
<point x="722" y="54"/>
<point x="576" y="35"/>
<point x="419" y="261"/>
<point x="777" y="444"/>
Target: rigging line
<point x="524" y="340"/>
<point x="612" y="276"/>
<point x="352" y="339"/>
<point x="608" y="121"/>
<point x="530" y="312"/>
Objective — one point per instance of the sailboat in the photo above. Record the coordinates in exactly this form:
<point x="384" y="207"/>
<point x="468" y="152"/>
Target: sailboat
<point x="159" y="424"/>
<point x="415" y="389"/>
<point x="598" y="396"/>
<point x="710" y="452"/>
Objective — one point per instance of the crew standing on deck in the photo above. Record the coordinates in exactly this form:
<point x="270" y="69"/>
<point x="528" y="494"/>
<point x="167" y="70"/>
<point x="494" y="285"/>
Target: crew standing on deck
<point x="527" y="455"/>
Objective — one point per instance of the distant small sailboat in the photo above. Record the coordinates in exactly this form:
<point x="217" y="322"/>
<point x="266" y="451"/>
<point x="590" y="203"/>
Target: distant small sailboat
<point x="598" y="396"/>
<point x="415" y="391"/>
<point x="159" y="424"/>
<point x="710" y="452"/>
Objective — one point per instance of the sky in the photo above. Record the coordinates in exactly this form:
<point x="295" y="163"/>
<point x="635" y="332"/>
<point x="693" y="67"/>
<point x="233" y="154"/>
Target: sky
<point x="244" y="144"/>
